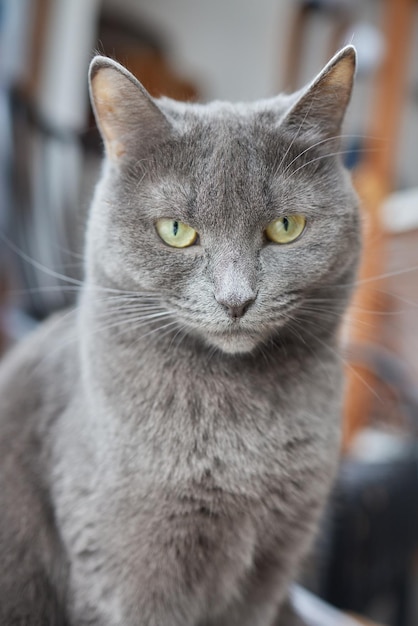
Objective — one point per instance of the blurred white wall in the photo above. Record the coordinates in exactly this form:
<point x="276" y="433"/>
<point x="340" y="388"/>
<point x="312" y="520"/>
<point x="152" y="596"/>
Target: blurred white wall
<point x="236" y="49"/>
<point x="233" y="48"/>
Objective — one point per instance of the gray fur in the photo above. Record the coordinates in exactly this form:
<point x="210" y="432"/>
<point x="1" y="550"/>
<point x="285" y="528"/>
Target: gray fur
<point x="170" y="470"/>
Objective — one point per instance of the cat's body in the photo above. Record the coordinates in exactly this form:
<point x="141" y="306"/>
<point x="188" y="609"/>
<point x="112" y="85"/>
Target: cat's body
<point x="169" y="469"/>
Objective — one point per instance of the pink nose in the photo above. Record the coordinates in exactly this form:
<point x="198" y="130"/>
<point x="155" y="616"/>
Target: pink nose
<point x="235" y="309"/>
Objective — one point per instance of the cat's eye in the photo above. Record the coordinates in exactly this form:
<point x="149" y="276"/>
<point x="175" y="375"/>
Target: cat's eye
<point x="286" y="229"/>
<point x="176" y="234"/>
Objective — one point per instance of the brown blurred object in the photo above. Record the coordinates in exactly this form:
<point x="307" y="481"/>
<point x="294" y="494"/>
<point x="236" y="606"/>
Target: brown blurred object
<point x="364" y="622"/>
<point x="374" y="181"/>
<point x="3" y="298"/>
<point x="145" y="55"/>
<point x="40" y="13"/>
<point x="341" y="19"/>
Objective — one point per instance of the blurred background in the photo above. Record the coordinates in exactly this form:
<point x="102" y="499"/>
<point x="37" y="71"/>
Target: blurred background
<point x="366" y="560"/>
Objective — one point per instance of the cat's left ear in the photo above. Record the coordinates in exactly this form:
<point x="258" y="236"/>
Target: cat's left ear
<point x="320" y="108"/>
<point x="127" y="116"/>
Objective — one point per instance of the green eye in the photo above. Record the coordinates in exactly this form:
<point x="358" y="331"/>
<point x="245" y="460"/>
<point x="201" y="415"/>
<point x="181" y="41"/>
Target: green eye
<point x="175" y="233"/>
<point x="286" y="229"/>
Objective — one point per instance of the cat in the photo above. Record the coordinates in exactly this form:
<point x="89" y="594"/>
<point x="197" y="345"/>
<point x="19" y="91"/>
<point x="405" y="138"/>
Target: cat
<point x="168" y="446"/>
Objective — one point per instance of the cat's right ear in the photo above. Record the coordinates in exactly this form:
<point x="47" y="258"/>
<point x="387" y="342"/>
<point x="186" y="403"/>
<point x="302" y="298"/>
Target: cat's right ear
<point x="319" y="109"/>
<point x="125" y="112"/>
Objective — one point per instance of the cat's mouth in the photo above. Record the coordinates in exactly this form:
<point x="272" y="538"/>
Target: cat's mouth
<point x="234" y="340"/>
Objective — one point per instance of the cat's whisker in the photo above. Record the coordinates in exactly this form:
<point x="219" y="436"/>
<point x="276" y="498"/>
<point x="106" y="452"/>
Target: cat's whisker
<point x="98" y="329"/>
<point x="181" y="332"/>
<point x="113" y="302"/>
<point x="135" y="322"/>
<point x="45" y="289"/>
<point x="380" y="293"/>
<point x="40" y="266"/>
<point x="128" y="308"/>
<point x="75" y="283"/>
<point x="159" y="329"/>
<point x="300" y="338"/>
<point x="371" y="279"/>
<point x="340" y="357"/>
<point x="353" y="309"/>
<point x="92" y="288"/>
<point x="393" y="273"/>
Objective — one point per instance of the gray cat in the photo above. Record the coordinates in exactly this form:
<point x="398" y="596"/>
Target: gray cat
<point x="167" y="448"/>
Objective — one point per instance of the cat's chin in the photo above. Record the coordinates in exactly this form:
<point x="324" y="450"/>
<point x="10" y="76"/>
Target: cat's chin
<point x="233" y="344"/>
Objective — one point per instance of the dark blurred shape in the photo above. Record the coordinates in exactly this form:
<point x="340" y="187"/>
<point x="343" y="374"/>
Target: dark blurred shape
<point x="341" y="14"/>
<point x="53" y="156"/>
<point x="375" y="536"/>
<point x="145" y="54"/>
<point x="372" y="533"/>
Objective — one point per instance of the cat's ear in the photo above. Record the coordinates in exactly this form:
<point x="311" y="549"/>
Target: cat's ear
<point x="319" y="108"/>
<point x="124" y="110"/>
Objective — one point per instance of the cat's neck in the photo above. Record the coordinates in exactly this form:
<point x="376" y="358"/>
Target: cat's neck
<point x="119" y="355"/>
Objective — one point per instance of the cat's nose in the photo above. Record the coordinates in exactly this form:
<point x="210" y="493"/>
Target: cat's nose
<point x="235" y="284"/>
<point x="236" y="309"/>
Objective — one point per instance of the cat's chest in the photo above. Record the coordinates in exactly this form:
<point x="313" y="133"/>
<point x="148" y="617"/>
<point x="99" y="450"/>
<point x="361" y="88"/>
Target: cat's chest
<point x="181" y="425"/>
<point x="232" y="434"/>
<point x="186" y="465"/>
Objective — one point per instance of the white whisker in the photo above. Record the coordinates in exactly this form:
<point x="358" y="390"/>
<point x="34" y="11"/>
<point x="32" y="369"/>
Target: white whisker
<point x="344" y="361"/>
<point x="296" y="135"/>
<point x="323" y="141"/>
<point x="320" y="158"/>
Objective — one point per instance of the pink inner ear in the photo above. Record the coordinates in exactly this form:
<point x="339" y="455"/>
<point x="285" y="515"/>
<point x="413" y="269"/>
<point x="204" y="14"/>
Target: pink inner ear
<point x="342" y="73"/>
<point x="106" y="112"/>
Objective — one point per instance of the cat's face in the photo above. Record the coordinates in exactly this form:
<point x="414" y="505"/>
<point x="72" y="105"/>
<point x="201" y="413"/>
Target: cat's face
<point x="229" y="214"/>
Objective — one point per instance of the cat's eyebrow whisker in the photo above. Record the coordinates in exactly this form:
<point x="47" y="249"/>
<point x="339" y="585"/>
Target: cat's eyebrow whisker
<point x="132" y="170"/>
<point x="323" y="141"/>
<point x="324" y="156"/>
<point x="296" y="135"/>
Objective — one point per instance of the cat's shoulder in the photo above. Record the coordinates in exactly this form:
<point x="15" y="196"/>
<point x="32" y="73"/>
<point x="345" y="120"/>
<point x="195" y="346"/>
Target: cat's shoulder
<point x="37" y="371"/>
<point x="34" y="381"/>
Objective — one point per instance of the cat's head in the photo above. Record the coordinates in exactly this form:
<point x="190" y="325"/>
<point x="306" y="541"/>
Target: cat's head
<point x="233" y="215"/>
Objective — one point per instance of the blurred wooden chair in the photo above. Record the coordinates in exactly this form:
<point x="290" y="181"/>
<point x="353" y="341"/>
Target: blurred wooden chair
<point x="374" y="179"/>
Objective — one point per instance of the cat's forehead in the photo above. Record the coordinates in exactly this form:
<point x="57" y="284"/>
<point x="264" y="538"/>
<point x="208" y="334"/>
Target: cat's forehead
<point x="225" y="160"/>
<point x="217" y="164"/>
<point x="218" y="112"/>
<point x="222" y="144"/>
